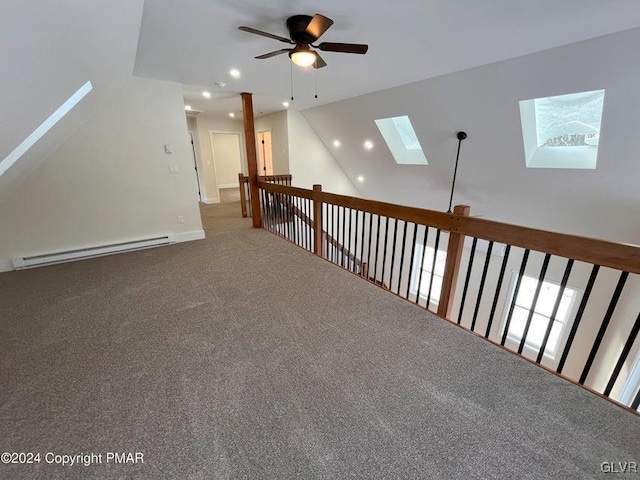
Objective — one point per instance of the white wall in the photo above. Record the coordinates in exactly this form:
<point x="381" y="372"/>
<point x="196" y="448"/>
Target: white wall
<point x="109" y="182"/>
<point x="49" y="50"/>
<point x="220" y="124"/>
<point x="310" y="162"/>
<point x="276" y="123"/>
<point x="492" y="176"/>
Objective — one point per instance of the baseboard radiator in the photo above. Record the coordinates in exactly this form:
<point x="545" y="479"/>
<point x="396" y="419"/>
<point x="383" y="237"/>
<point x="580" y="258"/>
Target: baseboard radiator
<point x="21" y="263"/>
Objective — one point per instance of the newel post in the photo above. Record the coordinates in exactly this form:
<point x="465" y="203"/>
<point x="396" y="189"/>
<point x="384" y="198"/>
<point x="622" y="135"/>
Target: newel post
<point x="452" y="266"/>
<point x="252" y="161"/>
<point x="243" y="195"/>
<point x="317" y="221"/>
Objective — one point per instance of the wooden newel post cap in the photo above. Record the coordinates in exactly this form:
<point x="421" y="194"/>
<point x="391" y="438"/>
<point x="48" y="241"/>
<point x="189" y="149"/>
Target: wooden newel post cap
<point x="462" y="210"/>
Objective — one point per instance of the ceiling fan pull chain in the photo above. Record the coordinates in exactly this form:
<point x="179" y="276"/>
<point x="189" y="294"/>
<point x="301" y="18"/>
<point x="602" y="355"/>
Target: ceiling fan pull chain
<point x="316" y="69"/>
<point x="291" y="78"/>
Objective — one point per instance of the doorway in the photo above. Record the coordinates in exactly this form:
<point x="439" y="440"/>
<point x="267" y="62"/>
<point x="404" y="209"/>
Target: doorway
<point x="265" y="155"/>
<point x="227" y="163"/>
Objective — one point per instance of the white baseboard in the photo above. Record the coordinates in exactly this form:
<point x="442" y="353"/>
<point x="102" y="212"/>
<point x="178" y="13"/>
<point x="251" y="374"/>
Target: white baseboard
<point x="209" y="201"/>
<point x="188" y="236"/>
<point x="6" y="266"/>
<point x="229" y="185"/>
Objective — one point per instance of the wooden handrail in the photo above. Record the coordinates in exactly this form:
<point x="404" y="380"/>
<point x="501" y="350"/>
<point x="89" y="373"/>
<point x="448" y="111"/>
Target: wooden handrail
<point x="597" y="252"/>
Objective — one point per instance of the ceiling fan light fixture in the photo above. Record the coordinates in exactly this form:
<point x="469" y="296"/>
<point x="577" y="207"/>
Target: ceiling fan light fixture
<point x="302" y="57"/>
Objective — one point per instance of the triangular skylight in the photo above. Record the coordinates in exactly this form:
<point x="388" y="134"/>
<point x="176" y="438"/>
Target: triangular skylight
<point x="402" y="140"/>
<point x="562" y="131"/>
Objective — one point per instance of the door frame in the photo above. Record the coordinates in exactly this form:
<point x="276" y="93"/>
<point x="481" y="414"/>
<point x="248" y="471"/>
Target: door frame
<point x="198" y="163"/>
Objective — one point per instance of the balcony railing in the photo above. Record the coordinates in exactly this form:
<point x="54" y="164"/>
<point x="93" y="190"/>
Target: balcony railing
<point x="569" y="304"/>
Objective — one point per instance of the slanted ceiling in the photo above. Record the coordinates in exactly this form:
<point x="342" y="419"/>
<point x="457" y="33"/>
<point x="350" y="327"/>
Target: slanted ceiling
<point x="49" y="51"/>
<point x="492" y="176"/>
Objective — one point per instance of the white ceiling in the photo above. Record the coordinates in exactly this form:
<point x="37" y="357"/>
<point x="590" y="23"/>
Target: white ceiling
<point x="196" y="42"/>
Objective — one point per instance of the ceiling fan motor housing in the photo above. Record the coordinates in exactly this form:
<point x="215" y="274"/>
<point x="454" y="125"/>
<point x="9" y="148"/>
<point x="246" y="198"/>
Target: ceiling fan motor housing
<point x="297" y="26"/>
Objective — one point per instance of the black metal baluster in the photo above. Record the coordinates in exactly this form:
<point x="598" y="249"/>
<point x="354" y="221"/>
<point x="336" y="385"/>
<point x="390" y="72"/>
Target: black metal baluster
<point x="623" y="356"/>
<point x="347" y="243"/>
<point x="393" y="253"/>
<point x="355" y="247"/>
<point x="523" y="265"/>
<point x="487" y="259"/>
<point x="364" y="218"/>
<point x="534" y="302"/>
<point x="344" y="229"/>
<point x="433" y="267"/>
<point x="369" y="245"/>
<point x="413" y="251"/>
<point x="580" y="312"/>
<point x="468" y="277"/>
<point x="404" y="243"/>
<point x="309" y="226"/>
<point x="285" y="213"/>
<point x="336" y="232"/>
<point x="384" y="250"/>
<point x="603" y="327"/>
<point x="636" y="401"/>
<point x="554" y="312"/>
<point x="375" y="270"/>
<point x="263" y="216"/>
<point x="421" y="267"/>
<point x="503" y="268"/>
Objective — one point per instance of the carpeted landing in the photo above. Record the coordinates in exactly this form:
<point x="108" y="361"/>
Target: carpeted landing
<point x="243" y="356"/>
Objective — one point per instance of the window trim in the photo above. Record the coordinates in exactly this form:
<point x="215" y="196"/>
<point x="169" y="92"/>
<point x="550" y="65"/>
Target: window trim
<point x="552" y="357"/>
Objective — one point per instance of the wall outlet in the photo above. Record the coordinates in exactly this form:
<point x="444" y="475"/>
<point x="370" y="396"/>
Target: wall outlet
<point x="180" y="219"/>
<point x="174" y="169"/>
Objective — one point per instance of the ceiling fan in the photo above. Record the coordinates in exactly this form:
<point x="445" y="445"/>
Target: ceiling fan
<point x="303" y="31"/>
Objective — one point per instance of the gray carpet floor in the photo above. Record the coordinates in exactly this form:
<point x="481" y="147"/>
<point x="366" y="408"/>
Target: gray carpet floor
<point x="243" y="356"/>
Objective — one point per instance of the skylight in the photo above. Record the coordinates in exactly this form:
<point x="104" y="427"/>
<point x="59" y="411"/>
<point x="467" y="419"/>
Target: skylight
<point x="44" y="127"/>
<point x="402" y="140"/>
<point x="562" y="131"/>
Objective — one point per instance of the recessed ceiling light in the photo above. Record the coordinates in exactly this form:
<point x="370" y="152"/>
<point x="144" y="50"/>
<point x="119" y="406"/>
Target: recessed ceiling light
<point x="336" y="143"/>
<point x="360" y="178"/>
<point x="232" y="114"/>
<point x="206" y="94"/>
<point x="187" y="107"/>
<point x="368" y="144"/>
<point x="234" y="72"/>
<point x="285" y="104"/>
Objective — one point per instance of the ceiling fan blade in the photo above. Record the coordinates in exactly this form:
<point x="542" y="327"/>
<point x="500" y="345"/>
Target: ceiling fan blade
<point x="319" y="63"/>
<point x="273" y="54"/>
<point x="318" y="25"/>
<point x="344" y="47"/>
<point x="265" y="34"/>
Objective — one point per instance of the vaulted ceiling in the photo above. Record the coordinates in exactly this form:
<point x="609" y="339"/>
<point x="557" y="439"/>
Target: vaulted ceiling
<point x="196" y="42"/>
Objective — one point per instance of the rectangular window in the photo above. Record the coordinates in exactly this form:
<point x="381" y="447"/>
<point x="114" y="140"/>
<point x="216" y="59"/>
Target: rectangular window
<point x="541" y="318"/>
<point x="421" y="277"/>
